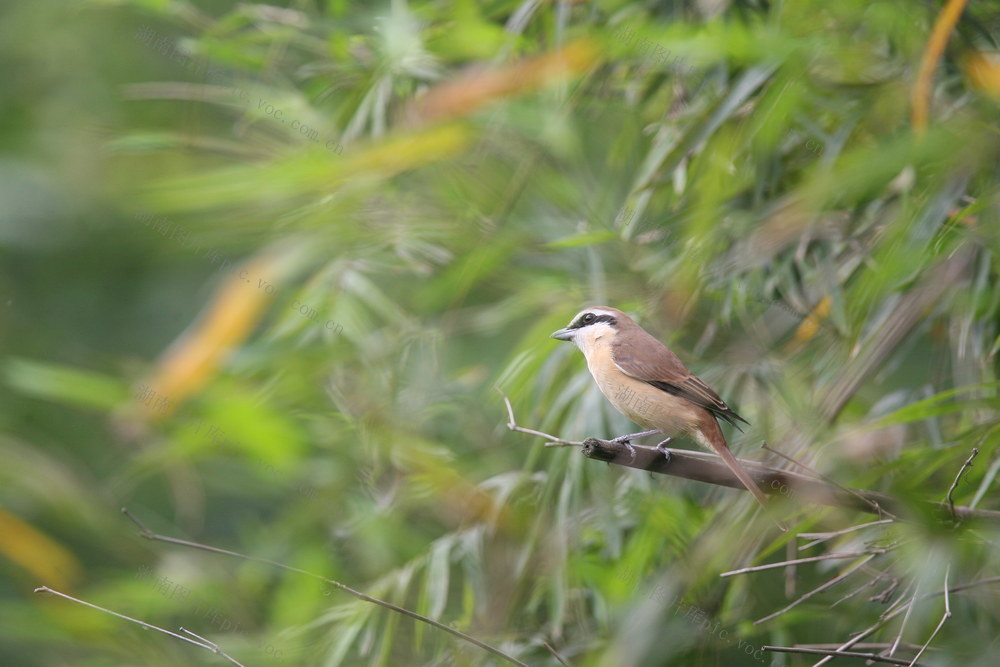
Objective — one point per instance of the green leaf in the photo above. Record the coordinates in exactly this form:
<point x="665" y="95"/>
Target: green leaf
<point x="580" y="240"/>
<point x="85" y="389"/>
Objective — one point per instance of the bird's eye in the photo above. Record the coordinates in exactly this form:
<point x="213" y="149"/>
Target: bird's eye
<point x="588" y="318"/>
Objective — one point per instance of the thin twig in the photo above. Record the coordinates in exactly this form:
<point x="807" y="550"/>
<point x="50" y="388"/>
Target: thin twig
<point x="556" y="654"/>
<point x="792" y="571"/>
<point x="899" y="600"/>
<point x="812" y="559"/>
<point x="888" y="617"/>
<point x="150" y="535"/>
<point x="954" y="485"/>
<point x="886" y="595"/>
<point x="554" y="441"/>
<point x="859" y="646"/>
<point x="818" y="589"/>
<point x="215" y="647"/>
<point x="974" y="584"/>
<point x="823" y="537"/>
<point x="906" y="619"/>
<point x="859" y="589"/>
<point x="204" y="643"/>
<point x="831" y="653"/>
<point x="857" y="638"/>
<point x="947" y="611"/>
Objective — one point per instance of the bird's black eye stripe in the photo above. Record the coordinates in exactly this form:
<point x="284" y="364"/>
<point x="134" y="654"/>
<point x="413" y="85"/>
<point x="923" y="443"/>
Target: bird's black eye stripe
<point x="587" y="319"/>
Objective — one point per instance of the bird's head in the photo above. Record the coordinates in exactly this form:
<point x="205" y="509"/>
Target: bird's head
<point x="593" y="325"/>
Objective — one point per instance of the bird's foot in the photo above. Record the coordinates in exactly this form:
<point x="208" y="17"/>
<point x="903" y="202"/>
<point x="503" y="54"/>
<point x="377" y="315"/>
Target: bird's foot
<point x="626" y="440"/>
<point x="663" y="450"/>
<point x="630" y="436"/>
<point x="631" y="450"/>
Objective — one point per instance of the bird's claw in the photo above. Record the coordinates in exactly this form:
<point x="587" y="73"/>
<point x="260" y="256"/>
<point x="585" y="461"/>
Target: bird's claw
<point x="663" y="450"/>
<point x="631" y="450"/>
<point x="625" y="440"/>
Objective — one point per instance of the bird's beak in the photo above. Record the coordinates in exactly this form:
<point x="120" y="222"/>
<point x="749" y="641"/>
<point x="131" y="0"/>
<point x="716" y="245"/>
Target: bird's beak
<point x="563" y="334"/>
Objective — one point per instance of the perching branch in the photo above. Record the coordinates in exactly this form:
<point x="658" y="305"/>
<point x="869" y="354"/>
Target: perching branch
<point x="708" y="468"/>
<point x="150" y="535"/>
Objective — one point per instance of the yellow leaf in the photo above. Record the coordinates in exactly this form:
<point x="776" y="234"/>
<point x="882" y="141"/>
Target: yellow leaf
<point x="811" y="324"/>
<point x="228" y="321"/>
<point x="468" y="92"/>
<point x="53" y="565"/>
<point x="921" y="96"/>
<point x="983" y="70"/>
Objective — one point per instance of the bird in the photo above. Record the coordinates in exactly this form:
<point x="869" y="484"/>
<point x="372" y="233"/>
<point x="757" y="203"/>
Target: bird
<point x="650" y="385"/>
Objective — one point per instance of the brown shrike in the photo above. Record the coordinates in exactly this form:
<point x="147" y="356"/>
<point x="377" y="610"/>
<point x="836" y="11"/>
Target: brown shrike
<point x="647" y="383"/>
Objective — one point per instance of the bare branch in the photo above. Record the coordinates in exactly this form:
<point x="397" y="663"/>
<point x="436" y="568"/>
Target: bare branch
<point x="902" y="626"/>
<point x="947" y="600"/>
<point x="813" y="559"/>
<point x="974" y="584"/>
<point x="556" y="654"/>
<point x="149" y="535"/>
<point x="861" y="635"/>
<point x="860" y="645"/>
<point x="204" y="643"/>
<point x="886" y="617"/>
<point x="886" y="595"/>
<point x="792" y="571"/>
<point x="898" y="601"/>
<point x="954" y="485"/>
<point x="953" y="589"/>
<point x="553" y="440"/>
<point x="818" y="589"/>
<point x="859" y="589"/>
<point x="823" y="537"/>
<point x="212" y="644"/>
<point x="831" y="653"/>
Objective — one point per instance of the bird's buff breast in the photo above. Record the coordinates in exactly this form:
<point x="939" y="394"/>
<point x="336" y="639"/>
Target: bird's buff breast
<point x="641" y="402"/>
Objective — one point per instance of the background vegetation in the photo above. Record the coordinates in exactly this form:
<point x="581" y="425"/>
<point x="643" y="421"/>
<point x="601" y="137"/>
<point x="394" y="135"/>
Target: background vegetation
<point x="288" y="342"/>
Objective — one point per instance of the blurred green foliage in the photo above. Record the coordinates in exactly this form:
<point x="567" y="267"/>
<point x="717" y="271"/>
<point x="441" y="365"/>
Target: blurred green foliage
<point x="470" y="175"/>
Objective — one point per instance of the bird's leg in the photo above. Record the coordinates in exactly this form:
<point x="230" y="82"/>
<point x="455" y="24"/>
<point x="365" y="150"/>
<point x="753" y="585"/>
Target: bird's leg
<point x="663" y="450"/>
<point x="642" y="434"/>
<point x="626" y="440"/>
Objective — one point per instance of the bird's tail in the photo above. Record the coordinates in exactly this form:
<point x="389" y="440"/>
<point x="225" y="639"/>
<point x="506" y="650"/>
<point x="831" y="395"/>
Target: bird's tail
<point x="715" y="441"/>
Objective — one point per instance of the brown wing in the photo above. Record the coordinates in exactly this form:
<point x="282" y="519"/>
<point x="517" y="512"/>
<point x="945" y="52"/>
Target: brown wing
<point x="649" y="360"/>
